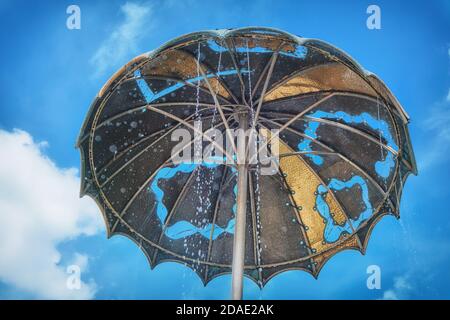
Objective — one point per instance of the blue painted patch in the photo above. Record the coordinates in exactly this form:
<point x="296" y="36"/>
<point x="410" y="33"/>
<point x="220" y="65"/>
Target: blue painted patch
<point x="183" y="228"/>
<point x="332" y="231"/>
<point x="305" y="145"/>
<point x="143" y="86"/>
<point x="364" y="118"/>
<point x="382" y="167"/>
<point x="300" y="51"/>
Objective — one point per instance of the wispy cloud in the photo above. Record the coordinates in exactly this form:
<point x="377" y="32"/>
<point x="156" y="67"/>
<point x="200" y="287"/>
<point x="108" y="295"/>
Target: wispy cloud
<point x="438" y="127"/>
<point x="40" y="209"/>
<point x="400" y="289"/>
<point x="123" y="40"/>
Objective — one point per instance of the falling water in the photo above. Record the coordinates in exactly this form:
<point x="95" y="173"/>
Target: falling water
<point x="257" y="172"/>
<point x="410" y="246"/>
<point x="200" y="185"/>
<point x="197" y="155"/>
<point x="210" y="181"/>
<point x="190" y="252"/>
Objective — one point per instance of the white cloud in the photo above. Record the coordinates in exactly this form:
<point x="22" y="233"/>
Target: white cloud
<point x="39" y="209"/>
<point x="122" y="42"/>
<point x="80" y="260"/>
<point x="389" y="295"/>
<point x="400" y="290"/>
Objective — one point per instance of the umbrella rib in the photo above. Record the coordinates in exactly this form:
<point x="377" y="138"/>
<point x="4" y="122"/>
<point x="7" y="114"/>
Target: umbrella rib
<point x="258" y="82"/>
<point x="137" y="155"/>
<point x="216" y="209"/>
<point x="397" y="198"/>
<point x="232" y="51"/>
<point x="342" y="126"/>
<point x="219" y="78"/>
<point x="219" y="108"/>
<point x="268" y="64"/>
<point x="288" y="154"/>
<point x="368" y="176"/>
<point x="404" y="161"/>
<point x="152" y="176"/>
<point x="172" y="210"/>
<point x="266" y="84"/>
<point x="228" y="180"/>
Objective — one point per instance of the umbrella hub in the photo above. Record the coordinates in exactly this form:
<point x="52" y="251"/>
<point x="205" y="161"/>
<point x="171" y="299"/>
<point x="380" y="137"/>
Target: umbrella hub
<point x="240" y="115"/>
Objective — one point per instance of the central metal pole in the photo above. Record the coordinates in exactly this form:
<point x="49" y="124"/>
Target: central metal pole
<point x="241" y="211"/>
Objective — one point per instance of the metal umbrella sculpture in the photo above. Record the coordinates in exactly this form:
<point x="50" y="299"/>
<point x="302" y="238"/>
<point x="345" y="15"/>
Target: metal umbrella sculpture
<point x="343" y="154"/>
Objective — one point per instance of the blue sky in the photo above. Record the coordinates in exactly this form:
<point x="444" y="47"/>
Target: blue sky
<point x="51" y="74"/>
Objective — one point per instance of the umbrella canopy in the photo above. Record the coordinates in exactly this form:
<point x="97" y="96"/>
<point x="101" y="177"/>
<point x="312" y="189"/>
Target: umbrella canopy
<point x="343" y="155"/>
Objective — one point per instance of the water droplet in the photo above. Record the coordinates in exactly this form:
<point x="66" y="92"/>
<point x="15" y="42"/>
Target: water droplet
<point x="113" y="148"/>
